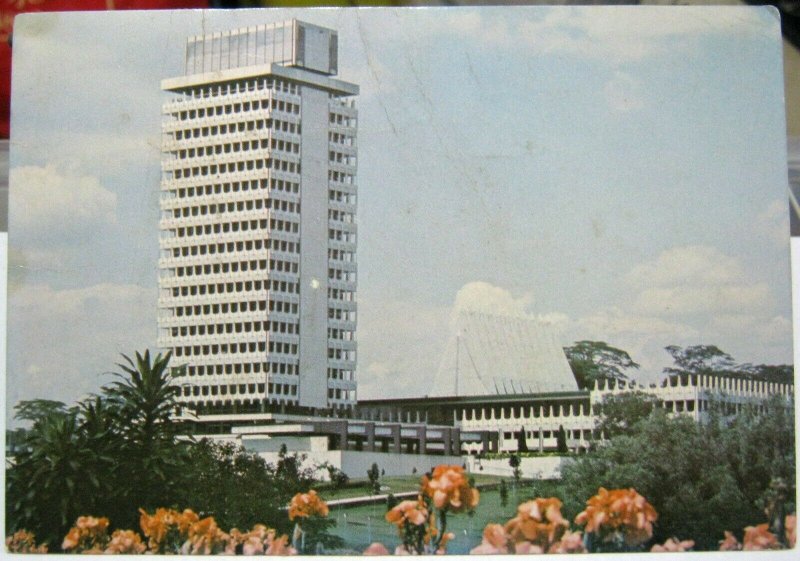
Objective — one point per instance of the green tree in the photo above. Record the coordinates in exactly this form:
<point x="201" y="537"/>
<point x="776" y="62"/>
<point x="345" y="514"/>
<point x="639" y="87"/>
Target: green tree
<point x="561" y="441"/>
<point x="515" y="462"/>
<point x="503" y="493"/>
<point x="522" y="443"/>
<point x="238" y="488"/>
<point x="109" y="455"/>
<point x="702" y="478"/>
<point x="618" y="413"/>
<point x="54" y="479"/>
<point x="699" y="359"/>
<point x="593" y="361"/>
<point x="374" y="475"/>
<point x="155" y="461"/>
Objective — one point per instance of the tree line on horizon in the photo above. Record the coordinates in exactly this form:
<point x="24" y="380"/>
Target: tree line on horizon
<point x="597" y="361"/>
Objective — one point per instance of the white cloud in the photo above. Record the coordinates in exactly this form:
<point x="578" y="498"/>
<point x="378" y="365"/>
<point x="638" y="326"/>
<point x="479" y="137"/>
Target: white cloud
<point x="687" y="265"/>
<point x="483" y="297"/>
<point x="47" y="203"/>
<point x="696" y="280"/>
<point x="62" y="342"/>
<point x="688" y="296"/>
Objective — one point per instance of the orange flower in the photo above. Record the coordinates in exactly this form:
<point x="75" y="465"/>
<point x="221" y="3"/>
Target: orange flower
<point x="72" y="539"/>
<point x="206" y="538"/>
<point x="166" y="525"/>
<point x="308" y="504"/>
<point x="448" y="488"/>
<point x="88" y="534"/>
<point x="494" y="541"/>
<point x="253" y="542"/>
<point x="619" y="511"/>
<point x="571" y="542"/>
<point x="279" y="546"/>
<point x="539" y="522"/>
<point x="91" y="525"/>
<point x="790" y="523"/>
<point x="412" y="512"/>
<point x="125" y="541"/>
<point x="376" y="549"/>
<point x="672" y="545"/>
<point x="730" y="543"/>
<point x="23" y="541"/>
<point x="759" y="537"/>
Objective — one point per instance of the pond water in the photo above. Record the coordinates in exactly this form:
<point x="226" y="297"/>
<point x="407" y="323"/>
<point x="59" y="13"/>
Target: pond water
<point x="362" y="525"/>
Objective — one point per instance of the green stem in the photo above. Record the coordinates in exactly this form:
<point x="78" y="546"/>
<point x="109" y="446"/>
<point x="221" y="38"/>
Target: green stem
<point x="442" y="529"/>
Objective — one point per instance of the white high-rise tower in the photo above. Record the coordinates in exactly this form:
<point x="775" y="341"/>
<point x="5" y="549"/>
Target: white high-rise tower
<point x="258" y="236"/>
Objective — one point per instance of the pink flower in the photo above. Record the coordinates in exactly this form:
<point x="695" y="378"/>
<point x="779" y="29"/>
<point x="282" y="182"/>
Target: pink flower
<point x="527" y="548"/>
<point x="730" y="543"/>
<point x="672" y="545"/>
<point x="376" y="548"/>
<point x="494" y="541"/>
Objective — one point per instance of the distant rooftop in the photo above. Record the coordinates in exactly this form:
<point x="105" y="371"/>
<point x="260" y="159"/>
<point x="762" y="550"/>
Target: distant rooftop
<point x="496" y="355"/>
<point x="289" y="43"/>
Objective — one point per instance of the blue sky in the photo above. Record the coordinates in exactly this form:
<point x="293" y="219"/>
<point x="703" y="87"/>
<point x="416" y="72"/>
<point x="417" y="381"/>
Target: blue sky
<point x="617" y="172"/>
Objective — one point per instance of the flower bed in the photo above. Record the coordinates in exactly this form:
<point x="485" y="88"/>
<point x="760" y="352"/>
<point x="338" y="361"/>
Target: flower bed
<point x="614" y="520"/>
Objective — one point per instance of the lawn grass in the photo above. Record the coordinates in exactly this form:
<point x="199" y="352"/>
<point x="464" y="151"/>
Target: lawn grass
<point x="360" y="487"/>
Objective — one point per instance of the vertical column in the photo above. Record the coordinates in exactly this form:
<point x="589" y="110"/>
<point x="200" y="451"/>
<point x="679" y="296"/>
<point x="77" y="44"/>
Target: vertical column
<point x="313" y="382"/>
<point x="455" y="442"/>
<point x="369" y="431"/>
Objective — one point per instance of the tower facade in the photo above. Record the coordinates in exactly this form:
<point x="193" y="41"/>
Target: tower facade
<point x="257" y="273"/>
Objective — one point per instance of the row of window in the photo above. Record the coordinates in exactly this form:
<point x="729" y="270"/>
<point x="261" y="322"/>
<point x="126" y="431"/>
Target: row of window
<point x="340" y="158"/>
<point x="239" y="206"/>
<point x="243" y="146"/>
<point x="342" y="120"/>
<point x="237" y="307"/>
<point x="240" y="368"/>
<point x="341" y="197"/>
<point x="576" y="434"/>
<point x="237" y="348"/>
<point x="233" y="88"/>
<point x="220" y="328"/>
<point x="243" y="226"/>
<point x="239" y="389"/>
<point x="232" y="389"/>
<point x="341" y="374"/>
<point x="340" y="177"/>
<point x="339" y="138"/>
<point x="231" y="247"/>
<point x="341" y="295"/>
<point x="236" y="287"/>
<point x="341" y="354"/>
<point x="237" y="186"/>
<point x="341" y="255"/>
<point x="238" y="107"/>
<point x="275" y="265"/>
<point x="337" y="334"/>
<point x="338" y="274"/>
<point x="341" y="216"/>
<point x="342" y="315"/>
<point x="232" y="167"/>
<point x="239" y="127"/>
<point x="342" y="236"/>
<point x="339" y="394"/>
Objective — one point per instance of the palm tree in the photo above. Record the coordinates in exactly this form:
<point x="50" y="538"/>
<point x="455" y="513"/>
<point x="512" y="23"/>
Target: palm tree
<point x="152" y="458"/>
<point x="52" y="481"/>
